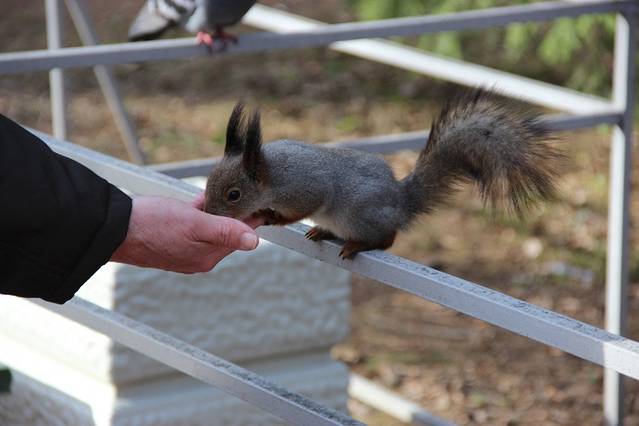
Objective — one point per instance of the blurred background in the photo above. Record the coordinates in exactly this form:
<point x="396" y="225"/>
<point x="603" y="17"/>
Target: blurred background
<point x="456" y="367"/>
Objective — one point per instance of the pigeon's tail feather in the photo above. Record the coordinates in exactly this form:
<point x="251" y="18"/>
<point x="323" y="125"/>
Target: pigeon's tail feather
<point x="148" y="25"/>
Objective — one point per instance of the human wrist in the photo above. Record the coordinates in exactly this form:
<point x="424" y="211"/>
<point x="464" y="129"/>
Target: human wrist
<point x="125" y="249"/>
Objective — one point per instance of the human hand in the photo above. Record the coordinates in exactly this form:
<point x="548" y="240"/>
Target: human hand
<point x="174" y="236"/>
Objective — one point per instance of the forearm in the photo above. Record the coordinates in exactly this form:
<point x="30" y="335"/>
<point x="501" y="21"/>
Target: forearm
<point x="59" y="222"/>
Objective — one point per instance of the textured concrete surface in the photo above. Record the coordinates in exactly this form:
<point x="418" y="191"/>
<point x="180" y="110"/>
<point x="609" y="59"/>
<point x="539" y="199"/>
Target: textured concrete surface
<point x="177" y="400"/>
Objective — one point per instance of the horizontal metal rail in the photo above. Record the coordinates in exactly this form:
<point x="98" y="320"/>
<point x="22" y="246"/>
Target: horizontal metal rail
<point x="426" y="63"/>
<point x="523" y="318"/>
<point x="388" y="144"/>
<point x="548" y="327"/>
<point x="183" y="48"/>
<point x="230" y="378"/>
<point x="385" y="144"/>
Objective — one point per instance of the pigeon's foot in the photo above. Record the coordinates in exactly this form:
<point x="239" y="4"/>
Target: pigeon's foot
<point x="220" y="37"/>
<point x="204" y="38"/>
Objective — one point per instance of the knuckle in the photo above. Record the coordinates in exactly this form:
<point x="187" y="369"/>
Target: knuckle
<point x="226" y="236"/>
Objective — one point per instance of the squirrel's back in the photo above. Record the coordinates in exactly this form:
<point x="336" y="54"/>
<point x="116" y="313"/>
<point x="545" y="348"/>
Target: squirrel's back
<point x="354" y="195"/>
<point x="317" y="161"/>
<point x="347" y="181"/>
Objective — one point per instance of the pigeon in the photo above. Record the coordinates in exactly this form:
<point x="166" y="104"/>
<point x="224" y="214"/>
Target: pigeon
<point x="207" y="18"/>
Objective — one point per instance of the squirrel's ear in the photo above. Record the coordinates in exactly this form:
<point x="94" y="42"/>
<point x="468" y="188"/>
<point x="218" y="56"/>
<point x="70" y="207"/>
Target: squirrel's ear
<point x="235" y="132"/>
<point x="252" y="159"/>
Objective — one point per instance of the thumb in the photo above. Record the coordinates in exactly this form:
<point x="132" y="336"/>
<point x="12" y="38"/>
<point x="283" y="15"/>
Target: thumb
<point x="224" y="232"/>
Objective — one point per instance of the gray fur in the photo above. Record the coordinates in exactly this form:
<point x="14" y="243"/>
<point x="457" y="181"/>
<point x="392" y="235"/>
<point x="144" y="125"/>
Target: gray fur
<point x="365" y="181"/>
<point x="194" y="15"/>
<point x="148" y="25"/>
<point x="217" y="13"/>
<point x="355" y="196"/>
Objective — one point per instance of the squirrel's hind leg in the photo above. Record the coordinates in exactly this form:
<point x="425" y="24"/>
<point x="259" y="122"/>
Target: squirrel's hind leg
<point x="317" y="234"/>
<point x="351" y="248"/>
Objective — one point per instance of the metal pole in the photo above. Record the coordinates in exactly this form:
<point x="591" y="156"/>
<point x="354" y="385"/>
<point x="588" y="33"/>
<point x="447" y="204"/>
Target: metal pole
<point x="55" y="24"/>
<point x="108" y="83"/>
<point x="618" y="214"/>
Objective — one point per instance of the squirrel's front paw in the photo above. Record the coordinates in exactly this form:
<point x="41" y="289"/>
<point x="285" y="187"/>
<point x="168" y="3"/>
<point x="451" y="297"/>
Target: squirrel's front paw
<point x="267" y="215"/>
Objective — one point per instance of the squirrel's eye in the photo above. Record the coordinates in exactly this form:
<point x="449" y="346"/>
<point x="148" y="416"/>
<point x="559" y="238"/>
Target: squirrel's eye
<point x="233" y="194"/>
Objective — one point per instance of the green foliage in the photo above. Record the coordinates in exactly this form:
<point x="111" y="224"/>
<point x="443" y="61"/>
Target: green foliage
<point x="573" y="52"/>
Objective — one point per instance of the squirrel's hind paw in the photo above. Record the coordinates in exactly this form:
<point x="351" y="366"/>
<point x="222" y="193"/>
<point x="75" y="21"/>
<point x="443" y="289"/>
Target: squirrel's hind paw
<point x="317" y="234"/>
<point x="351" y="248"/>
<point x="347" y="253"/>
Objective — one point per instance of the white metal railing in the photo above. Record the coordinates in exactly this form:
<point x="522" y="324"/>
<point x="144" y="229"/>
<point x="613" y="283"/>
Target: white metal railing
<point x="320" y="36"/>
<point x="575" y="337"/>
<point x="395" y="142"/>
<point x="417" y="60"/>
<point x="616" y="353"/>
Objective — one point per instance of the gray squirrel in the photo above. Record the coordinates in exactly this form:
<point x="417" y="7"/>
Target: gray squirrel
<point x="353" y="195"/>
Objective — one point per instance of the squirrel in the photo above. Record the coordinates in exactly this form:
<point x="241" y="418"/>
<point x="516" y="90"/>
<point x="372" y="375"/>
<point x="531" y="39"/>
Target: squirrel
<point x="354" y="196"/>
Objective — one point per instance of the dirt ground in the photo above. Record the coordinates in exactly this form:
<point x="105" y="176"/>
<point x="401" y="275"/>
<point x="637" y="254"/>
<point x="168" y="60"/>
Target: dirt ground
<point x="455" y="366"/>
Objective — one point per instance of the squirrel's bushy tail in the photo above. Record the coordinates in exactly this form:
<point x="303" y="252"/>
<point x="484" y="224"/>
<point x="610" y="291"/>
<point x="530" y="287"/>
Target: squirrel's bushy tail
<point x="494" y="143"/>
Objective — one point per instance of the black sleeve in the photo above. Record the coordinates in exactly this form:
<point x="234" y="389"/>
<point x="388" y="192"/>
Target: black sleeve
<point x="59" y="221"/>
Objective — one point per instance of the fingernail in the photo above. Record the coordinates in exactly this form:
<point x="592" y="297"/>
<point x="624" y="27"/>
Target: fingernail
<point x="248" y="241"/>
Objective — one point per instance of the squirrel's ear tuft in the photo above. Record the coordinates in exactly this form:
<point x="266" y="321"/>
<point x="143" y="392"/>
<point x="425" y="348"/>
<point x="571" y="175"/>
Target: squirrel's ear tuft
<point x="252" y="158"/>
<point x="235" y="132"/>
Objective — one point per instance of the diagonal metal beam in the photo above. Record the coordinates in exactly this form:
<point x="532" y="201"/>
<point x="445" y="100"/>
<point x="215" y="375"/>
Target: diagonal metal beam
<point x="107" y="81"/>
<point x="374" y="395"/>
<point x="228" y="377"/>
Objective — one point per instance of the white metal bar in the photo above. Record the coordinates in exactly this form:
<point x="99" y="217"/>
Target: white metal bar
<point x="55" y="29"/>
<point x="183" y="48"/>
<point x="120" y="172"/>
<point x="374" y="395"/>
<point x="230" y="378"/>
<point x="619" y="207"/>
<point x="387" y="144"/>
<point x="107" y="82"/>
<point x="377" y="144"/>
<point x="572" y="336"/>
<point x="548" y="327"/>
<point x="422" y="62"/>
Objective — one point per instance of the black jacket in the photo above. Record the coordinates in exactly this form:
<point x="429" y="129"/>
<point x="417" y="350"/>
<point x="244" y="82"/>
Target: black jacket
<point x="59" y="221"/>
